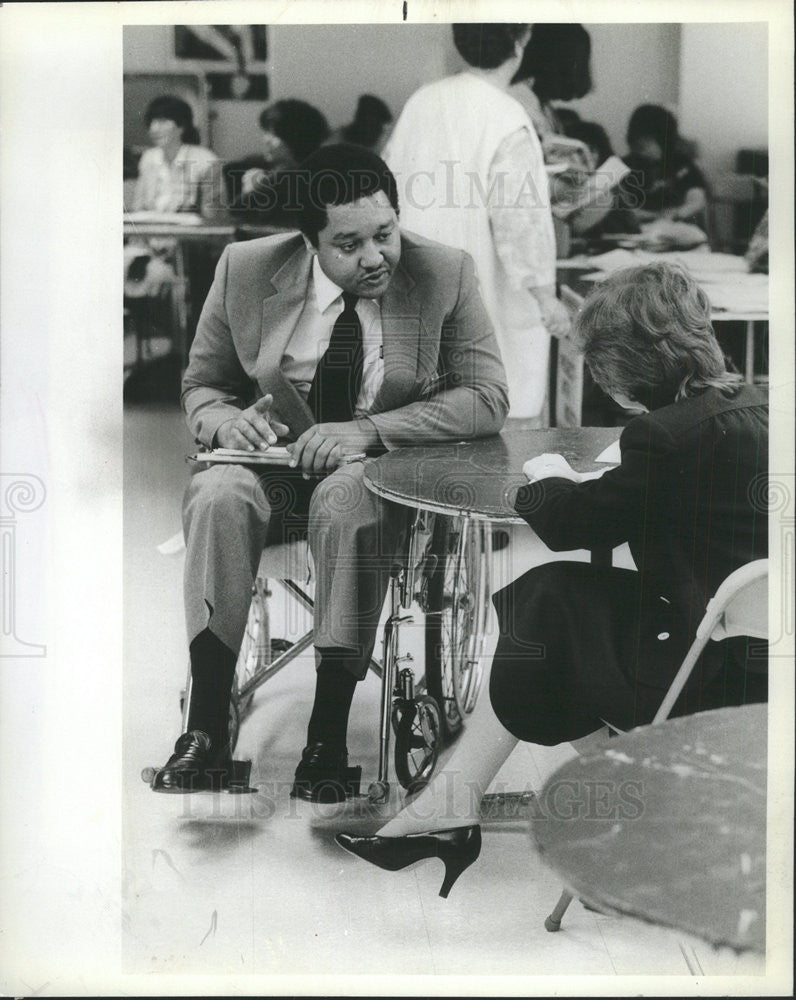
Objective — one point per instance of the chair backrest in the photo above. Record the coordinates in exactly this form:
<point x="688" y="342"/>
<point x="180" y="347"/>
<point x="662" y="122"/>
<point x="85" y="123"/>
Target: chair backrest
<point x="740" y="605"/>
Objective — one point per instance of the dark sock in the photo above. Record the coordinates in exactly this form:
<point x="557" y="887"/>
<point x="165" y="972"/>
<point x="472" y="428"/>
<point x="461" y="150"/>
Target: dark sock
<point x="334" y="692"/>
<point x="212" y="673"/>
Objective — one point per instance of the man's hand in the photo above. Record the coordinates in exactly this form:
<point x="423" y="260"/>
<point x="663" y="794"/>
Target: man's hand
<point x="554" y="313"/>
<point x="253" y="429"/>
<point x="322" y="446"/>
<point x="549" y="467"/>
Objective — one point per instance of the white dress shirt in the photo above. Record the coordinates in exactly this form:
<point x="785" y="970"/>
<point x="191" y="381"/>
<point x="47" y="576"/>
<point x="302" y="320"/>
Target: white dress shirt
<point x="311" y="336"/>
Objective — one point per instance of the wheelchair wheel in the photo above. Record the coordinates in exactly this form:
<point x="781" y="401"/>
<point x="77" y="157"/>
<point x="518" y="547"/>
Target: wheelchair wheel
<point x="254" y="649"/>
<point x="234" y="722"/>
<point x="418" y="736"/>
<point x="454" y="622"/>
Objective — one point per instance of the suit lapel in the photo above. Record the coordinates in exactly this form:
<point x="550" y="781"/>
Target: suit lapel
<point x="280" y="313"/>
<point x="401" y="327"/>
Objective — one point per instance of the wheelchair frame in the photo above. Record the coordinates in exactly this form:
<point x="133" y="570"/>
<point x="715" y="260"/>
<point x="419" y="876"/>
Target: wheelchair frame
<point x="406" y="707"/>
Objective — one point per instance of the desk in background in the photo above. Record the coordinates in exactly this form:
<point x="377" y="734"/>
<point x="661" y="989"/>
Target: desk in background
<point x="212" y="236"/>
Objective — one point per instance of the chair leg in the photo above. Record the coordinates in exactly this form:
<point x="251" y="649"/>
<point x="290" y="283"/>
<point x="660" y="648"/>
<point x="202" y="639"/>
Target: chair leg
<point x="553" y="921"/>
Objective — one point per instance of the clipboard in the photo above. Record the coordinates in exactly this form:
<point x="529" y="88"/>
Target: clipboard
<point x="275" y="455"/>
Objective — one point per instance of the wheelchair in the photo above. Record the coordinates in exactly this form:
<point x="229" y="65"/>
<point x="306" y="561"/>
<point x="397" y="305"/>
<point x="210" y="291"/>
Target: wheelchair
<point x="442" y="584"/>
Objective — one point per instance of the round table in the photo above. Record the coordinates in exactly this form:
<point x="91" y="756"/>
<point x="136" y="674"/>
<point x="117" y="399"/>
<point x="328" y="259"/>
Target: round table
<point x="667" y="823"/>
<point x="480" y="479"/>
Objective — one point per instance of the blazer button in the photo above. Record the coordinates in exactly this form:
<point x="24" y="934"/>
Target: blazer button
<point x="663" y="635"/>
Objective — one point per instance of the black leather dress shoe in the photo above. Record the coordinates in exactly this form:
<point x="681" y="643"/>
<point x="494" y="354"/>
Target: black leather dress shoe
<point x="323" y="774"/>
<point x="195" y="766"/>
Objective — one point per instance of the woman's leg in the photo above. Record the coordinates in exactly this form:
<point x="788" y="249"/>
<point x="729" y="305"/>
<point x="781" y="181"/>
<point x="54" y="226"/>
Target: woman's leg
<point x="452" y="798"/>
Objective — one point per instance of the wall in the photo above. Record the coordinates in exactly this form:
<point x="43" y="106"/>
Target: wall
<point x="712" y="75"/>
<point x="724" y="90"/>
<point x="631" y="64"/>
<point x="305" y="61"/>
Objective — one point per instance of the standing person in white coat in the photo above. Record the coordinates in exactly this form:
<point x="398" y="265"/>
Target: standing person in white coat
<point x="471" y="174"/>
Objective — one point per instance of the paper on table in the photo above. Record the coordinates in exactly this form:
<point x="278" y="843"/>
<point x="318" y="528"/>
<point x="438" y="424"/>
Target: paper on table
<point x="711" y="266"/>
<point x="164" y="218"/>
<point x="741" y="294"/>
<point x="596" y="188"/>
<point x="593" y="475"/>
<point x="612" y="454"/>
<point x="614" y="260"/>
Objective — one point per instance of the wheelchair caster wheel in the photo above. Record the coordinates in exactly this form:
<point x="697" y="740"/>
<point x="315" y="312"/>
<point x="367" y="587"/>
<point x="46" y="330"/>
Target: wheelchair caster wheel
<point x="552" y="925"/>
<point x="417" y="742"/>
<point x="378" y="791"/>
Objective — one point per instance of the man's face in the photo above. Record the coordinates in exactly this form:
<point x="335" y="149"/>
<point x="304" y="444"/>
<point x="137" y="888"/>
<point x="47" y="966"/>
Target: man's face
<point x="360" y="246"/>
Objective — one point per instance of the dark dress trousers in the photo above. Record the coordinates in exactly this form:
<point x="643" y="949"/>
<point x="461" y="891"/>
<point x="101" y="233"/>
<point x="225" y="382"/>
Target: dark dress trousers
<point x="579" y="643"/>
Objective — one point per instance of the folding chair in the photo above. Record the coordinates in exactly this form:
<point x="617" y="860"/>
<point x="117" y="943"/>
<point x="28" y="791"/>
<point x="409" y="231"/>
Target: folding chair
<point x="739" y="607"/>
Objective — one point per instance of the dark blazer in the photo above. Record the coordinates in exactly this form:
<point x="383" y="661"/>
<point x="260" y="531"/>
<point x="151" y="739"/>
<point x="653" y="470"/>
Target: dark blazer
<point x="687" y="498"/>
<point x="443" y="377"/>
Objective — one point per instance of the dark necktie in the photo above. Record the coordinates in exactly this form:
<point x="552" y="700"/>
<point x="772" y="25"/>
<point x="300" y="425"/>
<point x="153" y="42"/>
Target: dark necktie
<point x="335" y="386"/>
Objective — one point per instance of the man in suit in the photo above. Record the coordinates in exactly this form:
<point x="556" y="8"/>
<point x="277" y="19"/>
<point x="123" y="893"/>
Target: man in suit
<point x="350" y="337"/>
<point x="581" y="643"/>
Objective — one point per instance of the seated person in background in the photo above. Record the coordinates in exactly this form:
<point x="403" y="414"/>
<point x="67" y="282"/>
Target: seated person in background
<point x="175" y="175"/>
<point x="600" y="219"/>
<point x="579" y="643"/>
<point x="262" y="188"/>
<point x="333" y="340"/>
<point x="594" y="137"/>
<point x="664" y="181"/>
<point x="371" y="125"/>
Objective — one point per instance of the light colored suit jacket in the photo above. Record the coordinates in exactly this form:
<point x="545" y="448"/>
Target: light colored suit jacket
<point x="443" y="377"/>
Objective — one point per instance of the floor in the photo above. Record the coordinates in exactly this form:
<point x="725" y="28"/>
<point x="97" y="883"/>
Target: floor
<point x="255" y="883"/>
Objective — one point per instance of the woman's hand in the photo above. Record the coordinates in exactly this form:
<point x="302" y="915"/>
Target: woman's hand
<point x="549" y="467"/>
<point x="251" y="180"/>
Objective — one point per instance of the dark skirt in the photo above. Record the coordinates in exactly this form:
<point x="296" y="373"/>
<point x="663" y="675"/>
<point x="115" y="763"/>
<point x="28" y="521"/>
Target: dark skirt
<point x="581" y="645"/>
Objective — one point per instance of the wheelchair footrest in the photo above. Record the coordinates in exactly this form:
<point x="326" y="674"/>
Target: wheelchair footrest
<point x="332" y="788"/>
<point x="236" y="780"/>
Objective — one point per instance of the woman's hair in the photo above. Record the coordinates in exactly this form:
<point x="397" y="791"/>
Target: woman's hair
<point x="651" y="121"/>
<point x="594" y="136"/>
<point x="557" y="59"/>
<point x="646" y="332"/>
<point x="487" y="46"/>
<point x="371" y="116"/>
<point x="338" y="175"/>
<point x="300" y="126"/>
<point x="175" y="110"/>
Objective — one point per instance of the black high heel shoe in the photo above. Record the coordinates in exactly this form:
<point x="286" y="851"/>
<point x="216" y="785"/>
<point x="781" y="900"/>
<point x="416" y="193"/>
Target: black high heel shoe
<point x="457" y="848"/>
